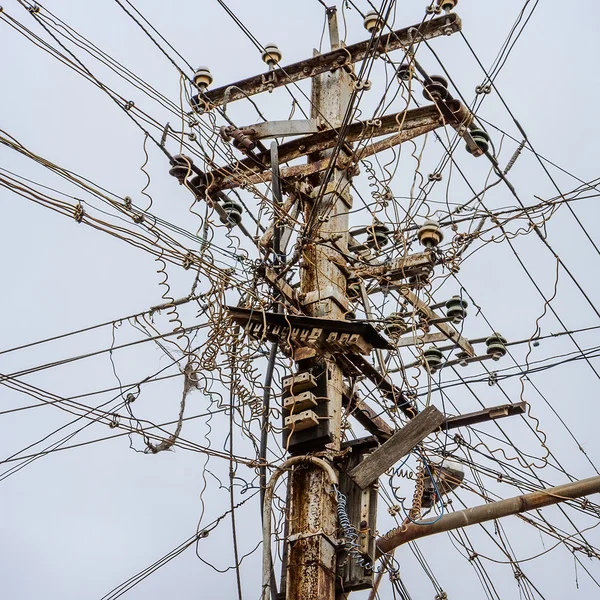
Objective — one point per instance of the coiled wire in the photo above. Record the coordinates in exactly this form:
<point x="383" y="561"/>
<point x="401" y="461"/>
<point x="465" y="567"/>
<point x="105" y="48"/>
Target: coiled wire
<point x="351" y="535"/>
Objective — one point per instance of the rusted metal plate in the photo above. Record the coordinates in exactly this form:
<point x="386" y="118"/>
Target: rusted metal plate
<point x="361" y="506"/>
<point x="312" y="533"/>
<point x="271" y="129"/>
<point x="328" y="384"/>
<point x="401" y="38"/>
<point x="428" y="338"/>
<point x="366" y="330"/>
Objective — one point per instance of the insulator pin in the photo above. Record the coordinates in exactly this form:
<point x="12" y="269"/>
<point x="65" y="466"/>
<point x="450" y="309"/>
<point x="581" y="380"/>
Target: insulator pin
<point x="481" y="138"/>
<point x="233" y="213"/>
<point x="404" y="72"/>
<point x="373" y="21"/>
<point x="447" y="5"/>
<point x="436" y="89"/>
<point x="430" y="235"/>
<point x="272" y="55"/>
<point x="198" y="184"/>
<point x="456" y="309"/>
<point x="379" y="236"/>
<point x="418" y="282"/>
<point x="442" y="478"/>
<point x="181" y="167"/>
<point x="433" y="358"/>
<point x="496" y="346"/>
<point x="395" y="325"/>
<point x="202" y="78"/>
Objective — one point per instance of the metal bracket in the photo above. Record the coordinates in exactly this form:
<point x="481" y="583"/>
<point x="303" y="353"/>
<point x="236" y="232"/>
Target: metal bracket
<point x="425" y="339"/>
<point x="473" y="147"/>
<point x="294" y="537"/>
<point x="326" y="294"/>
<point x="275" y="129"/>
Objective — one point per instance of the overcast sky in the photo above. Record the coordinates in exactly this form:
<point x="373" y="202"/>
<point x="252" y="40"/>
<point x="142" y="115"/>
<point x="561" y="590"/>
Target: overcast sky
<point x="79" y="522"/>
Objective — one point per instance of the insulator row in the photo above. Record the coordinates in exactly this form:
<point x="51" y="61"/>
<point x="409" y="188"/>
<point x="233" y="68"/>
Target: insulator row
<point x="379" y="235"/>
<point x="495" y="346"/>
<point x="203" y="78"/>
<point x="436" y="90"/>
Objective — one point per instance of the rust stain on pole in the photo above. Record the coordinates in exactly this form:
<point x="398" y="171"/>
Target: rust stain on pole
<point x="311" y="536"/>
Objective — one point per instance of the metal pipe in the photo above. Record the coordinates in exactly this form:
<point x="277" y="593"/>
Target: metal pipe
<point x="277" y="203"/>
<point x="267" y="511"/>
<point x="488" y="512"/>
<point x="264" y="434"/>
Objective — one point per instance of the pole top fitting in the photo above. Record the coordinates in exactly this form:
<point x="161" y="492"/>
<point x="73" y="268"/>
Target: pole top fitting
<point x="373" y="21"/>
<point x="272" y="54"/>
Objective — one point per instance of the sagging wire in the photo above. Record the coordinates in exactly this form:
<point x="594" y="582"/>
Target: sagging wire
<point x="190" y="382"/>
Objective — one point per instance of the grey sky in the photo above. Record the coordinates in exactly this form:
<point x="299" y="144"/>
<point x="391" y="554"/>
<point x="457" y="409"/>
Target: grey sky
<point x="79" y="522"/>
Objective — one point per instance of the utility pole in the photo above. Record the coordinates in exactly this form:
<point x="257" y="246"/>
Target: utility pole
<point x="312" y="516"/>
<point x="312" y="322"/>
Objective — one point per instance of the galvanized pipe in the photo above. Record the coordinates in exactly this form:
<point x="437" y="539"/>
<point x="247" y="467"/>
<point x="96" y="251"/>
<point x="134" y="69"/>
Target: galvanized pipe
<point x="488" y="512"/>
